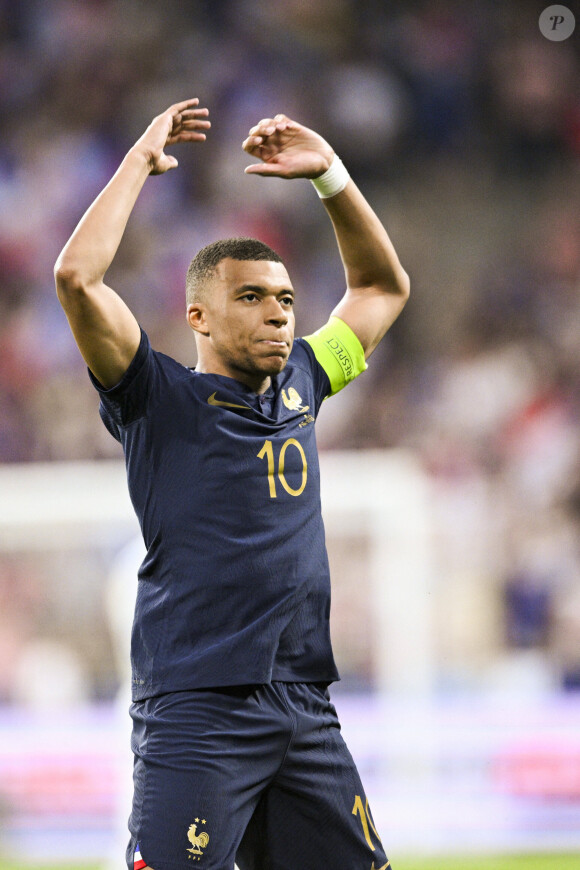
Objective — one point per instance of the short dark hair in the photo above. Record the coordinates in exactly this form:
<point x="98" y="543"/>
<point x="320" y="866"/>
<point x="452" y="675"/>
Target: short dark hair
<point x="205" y="261"/>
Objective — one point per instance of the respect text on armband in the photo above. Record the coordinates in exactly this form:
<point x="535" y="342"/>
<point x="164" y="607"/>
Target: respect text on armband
<point x="342" y="355"/>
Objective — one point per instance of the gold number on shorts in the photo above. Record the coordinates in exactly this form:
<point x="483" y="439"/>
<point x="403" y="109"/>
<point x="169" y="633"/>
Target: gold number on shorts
<point x="366" y="819"/>
<point x="267" y="452"/>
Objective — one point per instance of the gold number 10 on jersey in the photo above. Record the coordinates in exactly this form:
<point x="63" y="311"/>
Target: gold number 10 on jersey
<point x="267" y="452"/>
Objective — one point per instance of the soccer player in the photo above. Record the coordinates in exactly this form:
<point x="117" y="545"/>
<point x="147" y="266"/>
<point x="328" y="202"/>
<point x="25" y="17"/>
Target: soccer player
<point x="238" y="753"/>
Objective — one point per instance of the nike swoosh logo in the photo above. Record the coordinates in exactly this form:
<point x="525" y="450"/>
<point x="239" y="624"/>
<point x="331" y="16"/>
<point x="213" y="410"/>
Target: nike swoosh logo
<point x="384" y="867"/>
<point x="213" y="401"/>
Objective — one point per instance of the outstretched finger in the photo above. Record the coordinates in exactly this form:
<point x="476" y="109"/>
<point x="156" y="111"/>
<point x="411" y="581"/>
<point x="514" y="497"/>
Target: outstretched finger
<point x="194" y="124"/>
<point x="186" y="136"/>
<point x="271" y="169"/>
<point x="185" y="125"/>
<point x="194" y="113"/>
<point x="185" y="104"/>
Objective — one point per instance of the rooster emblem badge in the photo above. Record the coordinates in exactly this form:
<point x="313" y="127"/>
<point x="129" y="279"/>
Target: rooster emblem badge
<point x="198" y="841"/>
<point x="293" y="401"/>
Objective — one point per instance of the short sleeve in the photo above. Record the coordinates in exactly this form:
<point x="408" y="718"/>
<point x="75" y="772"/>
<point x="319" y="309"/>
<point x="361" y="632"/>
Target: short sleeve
<point x="148" y="379"/>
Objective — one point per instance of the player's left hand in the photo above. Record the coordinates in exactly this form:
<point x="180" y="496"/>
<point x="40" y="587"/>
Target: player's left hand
<point x="287" y="149"/>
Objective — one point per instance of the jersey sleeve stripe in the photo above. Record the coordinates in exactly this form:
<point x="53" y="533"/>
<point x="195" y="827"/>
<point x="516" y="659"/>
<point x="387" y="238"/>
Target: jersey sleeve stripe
<point x="339" y="352"/>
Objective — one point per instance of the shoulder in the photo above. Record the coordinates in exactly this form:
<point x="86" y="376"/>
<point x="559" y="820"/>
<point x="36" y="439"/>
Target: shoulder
<point x="302" y="355"/>
<point x="144" y="363"/>
<point x="151" y="377"/>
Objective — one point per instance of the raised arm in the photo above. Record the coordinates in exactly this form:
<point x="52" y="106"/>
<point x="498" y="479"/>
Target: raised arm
<point x="377" y="285"/>
<point x="103" y="326"/>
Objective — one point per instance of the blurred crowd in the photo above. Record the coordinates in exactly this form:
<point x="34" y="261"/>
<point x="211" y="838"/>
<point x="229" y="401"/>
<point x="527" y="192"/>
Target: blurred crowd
<point x="461" y="123"/>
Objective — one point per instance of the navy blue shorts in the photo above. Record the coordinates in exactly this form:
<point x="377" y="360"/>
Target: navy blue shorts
<point x="255" y="774"/>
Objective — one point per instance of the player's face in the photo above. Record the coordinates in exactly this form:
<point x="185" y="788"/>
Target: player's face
<point x="247" y="319"/>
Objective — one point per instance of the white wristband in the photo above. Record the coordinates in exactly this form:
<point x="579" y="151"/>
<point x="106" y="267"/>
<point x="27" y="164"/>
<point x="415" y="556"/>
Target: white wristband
<point x="333" y="180"/>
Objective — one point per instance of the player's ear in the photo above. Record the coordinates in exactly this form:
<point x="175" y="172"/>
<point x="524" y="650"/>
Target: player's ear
<point x="196" y="317"/>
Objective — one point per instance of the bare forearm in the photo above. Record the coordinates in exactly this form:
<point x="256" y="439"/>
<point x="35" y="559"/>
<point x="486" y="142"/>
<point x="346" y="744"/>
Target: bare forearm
<point x="366" y="250"/>
<point x="90" y="250"/>
<point x="105" y="329"/>
<point x="377" y="284"/>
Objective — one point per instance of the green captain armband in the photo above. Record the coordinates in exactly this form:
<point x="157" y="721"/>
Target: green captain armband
<point x="339" y="352"/>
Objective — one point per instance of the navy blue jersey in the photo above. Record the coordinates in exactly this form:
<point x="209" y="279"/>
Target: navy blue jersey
<point x="235" y="587"/>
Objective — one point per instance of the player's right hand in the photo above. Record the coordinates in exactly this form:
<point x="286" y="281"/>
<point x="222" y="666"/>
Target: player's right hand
<point x="182" y="122"/>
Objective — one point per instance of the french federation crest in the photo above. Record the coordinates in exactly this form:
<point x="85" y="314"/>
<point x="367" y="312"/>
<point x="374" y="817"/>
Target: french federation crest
<point x="293" y="401"/>
<point x="198" y="841"/>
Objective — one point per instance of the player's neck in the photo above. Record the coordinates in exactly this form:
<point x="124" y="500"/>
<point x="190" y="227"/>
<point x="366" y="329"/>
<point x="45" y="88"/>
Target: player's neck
<point x="258" y="382"/>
